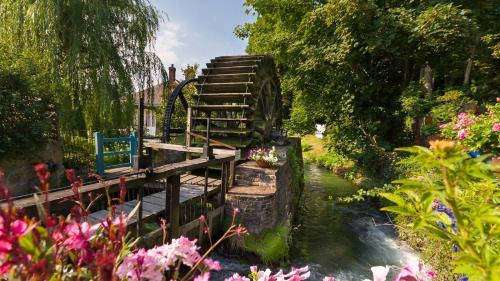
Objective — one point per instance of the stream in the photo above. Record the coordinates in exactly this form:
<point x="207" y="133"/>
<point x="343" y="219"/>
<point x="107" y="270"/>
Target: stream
<point x="333" y="239"/>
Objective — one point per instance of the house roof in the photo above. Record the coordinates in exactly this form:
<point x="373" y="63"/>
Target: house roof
<point x="155" y="99"/>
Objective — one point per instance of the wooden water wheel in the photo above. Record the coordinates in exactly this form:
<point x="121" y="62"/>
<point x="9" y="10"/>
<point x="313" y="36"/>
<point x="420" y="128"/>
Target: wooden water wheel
<point x="241" y="95"/>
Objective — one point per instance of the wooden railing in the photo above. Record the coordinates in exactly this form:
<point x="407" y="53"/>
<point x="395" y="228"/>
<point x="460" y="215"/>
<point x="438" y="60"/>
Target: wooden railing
<point x="135" y="181"/>
<point x="100" y="142"/>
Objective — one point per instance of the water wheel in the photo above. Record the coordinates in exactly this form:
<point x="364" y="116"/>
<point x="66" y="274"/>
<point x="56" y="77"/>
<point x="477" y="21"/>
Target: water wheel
<point x="242" y="97"/>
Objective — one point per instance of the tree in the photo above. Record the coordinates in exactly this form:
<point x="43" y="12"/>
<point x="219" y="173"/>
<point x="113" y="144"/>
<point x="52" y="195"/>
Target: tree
<point x="97" y="50"/>
<point x="347" y="63"/>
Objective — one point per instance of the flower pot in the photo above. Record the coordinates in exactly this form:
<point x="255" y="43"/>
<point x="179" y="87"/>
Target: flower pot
<point x="496" y="161"/>
<point x="263" y="164"/>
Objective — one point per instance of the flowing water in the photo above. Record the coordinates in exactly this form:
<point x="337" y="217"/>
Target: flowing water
<point x="340" y="240"/>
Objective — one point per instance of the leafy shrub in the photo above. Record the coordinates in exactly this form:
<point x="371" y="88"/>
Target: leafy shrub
<point x="447" y="105"/>
<point x="477" y="133"/>
<point x="28" y="116"/>
<point x="455" y="200"/>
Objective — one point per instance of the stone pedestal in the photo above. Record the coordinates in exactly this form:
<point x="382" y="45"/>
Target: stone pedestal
<point x="264" y="196"/>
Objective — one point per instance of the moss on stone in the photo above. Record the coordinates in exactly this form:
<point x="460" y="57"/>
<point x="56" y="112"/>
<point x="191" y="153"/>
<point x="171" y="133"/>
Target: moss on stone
<point x="297" y="173"/>
<point x="271" y="245"/>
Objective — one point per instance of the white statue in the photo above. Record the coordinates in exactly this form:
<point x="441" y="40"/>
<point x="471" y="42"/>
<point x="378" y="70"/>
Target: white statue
<point x="320" y="130"/>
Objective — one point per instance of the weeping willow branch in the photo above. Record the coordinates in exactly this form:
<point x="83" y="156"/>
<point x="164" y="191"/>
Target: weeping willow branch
<point x="98" y="50"/>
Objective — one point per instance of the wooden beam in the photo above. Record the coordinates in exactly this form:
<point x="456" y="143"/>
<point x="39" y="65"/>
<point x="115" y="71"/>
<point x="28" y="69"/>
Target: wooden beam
<point x="173" y="187"/>
<point x="190" y="149"/>
<point x="188" y="131"/>
<point x="212" y="141"/>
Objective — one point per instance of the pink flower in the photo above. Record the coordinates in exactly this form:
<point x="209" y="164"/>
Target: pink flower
<point x="203" y="277"/>
<point x="462" y="115"/>
<point x="496" y="127"/>
<point x="19" y="227"/>
<point x="328" y="278"/>
<point x="237" y="277"/>
<point x="78" y="235"/>
<point x="462" y="134"/>
<point x="442" y="126"/>
<point x="431" y="274"/>
<point x="411" y="272"/>
<point x="5" y="246"/>
<point x="212" y="264"/>
<point x="2" y="227"/>
<point x="380" y="272"/>
<point x="464" y="122"/>
<point x="236" y="211"/>
<point x="296" y="274"/>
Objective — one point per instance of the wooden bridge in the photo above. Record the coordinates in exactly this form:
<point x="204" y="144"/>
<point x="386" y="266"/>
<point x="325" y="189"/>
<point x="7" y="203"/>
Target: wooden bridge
<point x="168" y="191"/>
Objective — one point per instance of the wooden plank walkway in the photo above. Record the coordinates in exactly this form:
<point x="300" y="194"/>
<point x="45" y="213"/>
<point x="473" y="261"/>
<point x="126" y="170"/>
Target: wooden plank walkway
<point x="154" y="204"/>
<point x="164" y="171"/>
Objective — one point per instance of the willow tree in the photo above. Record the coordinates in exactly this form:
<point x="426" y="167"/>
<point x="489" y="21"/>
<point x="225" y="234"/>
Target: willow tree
<point x="96" y="52"/>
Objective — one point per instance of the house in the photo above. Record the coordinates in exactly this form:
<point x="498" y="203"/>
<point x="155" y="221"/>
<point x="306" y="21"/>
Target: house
<point x="152" y="102"/>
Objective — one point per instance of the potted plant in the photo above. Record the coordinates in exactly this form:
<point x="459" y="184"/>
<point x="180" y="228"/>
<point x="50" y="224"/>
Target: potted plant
<point x="264" y="157"/>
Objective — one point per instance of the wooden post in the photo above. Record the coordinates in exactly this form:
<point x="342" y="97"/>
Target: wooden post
<point x="224" y="183"/>
<point x="99" y="152"/>
<point x="172" y="204"/>
<point x="232" y="171"/>
<point x="140" y="196"/>
<point x="205" y="192"/>
<point x="141" y="126"/>
<point x="188" y="131"/>
<point x="133" y="146"/>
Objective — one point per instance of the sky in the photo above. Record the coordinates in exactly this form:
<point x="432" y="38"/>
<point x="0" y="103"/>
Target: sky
<point x="195" y="31"/>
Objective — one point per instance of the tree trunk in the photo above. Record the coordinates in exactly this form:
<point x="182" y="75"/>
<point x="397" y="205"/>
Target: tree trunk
<point x="468" y="69"/>
<point x="427" y="82"/>
<point x="427" y="78"/>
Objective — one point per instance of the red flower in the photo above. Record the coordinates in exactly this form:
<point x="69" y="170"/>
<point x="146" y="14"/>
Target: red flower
<point x="42" y="171"/>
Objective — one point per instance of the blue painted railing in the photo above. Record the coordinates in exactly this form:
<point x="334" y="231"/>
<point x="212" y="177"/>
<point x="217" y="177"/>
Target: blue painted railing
<point x="100" y="140"/>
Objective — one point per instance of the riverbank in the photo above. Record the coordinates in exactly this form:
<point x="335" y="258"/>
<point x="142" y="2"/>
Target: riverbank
<point x="315" y="151"/>
<point x="435" y="253"/>
<point x="335" y="239"/>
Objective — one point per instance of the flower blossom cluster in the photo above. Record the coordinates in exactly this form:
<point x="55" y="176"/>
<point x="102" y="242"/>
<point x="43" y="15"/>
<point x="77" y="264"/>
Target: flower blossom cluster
<point x="479" y="134"/>
<point x="413" y="271"/>
<point x="461" y="125"/>
<point x="265" y="154"/>
<point x="152" y="264"/>
<point x="72" y="249"/>
<point x="296" y="274"/>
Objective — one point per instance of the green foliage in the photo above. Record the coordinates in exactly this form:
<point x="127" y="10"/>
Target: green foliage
<point x="28" y="116"/>
<point x="96" y="50"/>
<point x="358" y="65"/>
<point x="297" y="174"/>
<point x="468" y="189"/>
<point x="434" y="252"/>
<point x="449" y="104"/>
<point x="362" y="194"/>
<point x="79" y="152"/>
<point x="271" y="245"/>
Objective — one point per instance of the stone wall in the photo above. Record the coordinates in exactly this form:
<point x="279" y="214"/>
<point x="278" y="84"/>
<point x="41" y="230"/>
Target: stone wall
<point x="264" y="196"/>
<point x="20" y="176"/>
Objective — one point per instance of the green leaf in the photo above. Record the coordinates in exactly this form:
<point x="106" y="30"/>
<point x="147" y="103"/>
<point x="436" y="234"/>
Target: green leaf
<point x="397" y="210"/>
<point x="393" y="198"/>
<point x="26" y="242"/>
